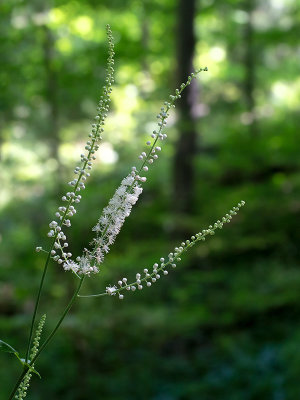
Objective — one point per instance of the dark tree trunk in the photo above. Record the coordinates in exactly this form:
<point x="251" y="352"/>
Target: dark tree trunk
<point x="184" y="176"/>
<point x="249" y="62"/>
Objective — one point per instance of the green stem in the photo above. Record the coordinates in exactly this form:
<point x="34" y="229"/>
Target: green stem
<point x="21" y="377"/>
<point x="37" y="303"/>
<point x="67" y="309"/>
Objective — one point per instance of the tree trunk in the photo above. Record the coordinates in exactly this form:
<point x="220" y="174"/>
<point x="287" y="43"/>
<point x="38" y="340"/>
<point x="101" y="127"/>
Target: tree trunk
<point x="183" y="169"/>
<point x="249" y="63"/>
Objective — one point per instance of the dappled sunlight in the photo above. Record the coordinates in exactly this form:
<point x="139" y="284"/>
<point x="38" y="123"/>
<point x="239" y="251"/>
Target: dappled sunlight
<point x="69" y="153"/>
<point x="82" y="26"/>
<point x="57" y="16"/>
<point x="124" y="75"/>
<point x="122" y="124"/>
<point x="72" y="25"/>
<point x="21" y="158"/>
<point x="157" y="66"/>
<point x="217" y="53"/>
<point x="212" y="57"/>
<point x="286" y="94"/>
<point x="27" y="171"/>
<point x="64" y="44"/>
<point x="145" y="81"/>
<point x="107" y="154"/>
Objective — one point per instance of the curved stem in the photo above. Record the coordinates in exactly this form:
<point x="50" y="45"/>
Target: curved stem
<point x="67" y="309"/>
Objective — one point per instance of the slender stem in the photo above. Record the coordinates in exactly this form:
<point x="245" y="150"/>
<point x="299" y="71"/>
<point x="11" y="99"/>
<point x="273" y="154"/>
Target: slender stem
<point x="67" y="309"/>
<point x="18" y="382"/>
<point x="37" y="304"/>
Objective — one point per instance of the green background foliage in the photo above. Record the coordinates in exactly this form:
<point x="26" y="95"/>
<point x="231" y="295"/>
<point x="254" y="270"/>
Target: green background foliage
<point x="225" y="323"/>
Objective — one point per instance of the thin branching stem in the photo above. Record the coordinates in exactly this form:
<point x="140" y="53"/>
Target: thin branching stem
<point x="67" y="309"/>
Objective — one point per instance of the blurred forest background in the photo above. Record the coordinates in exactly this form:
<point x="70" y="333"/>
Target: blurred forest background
<point x="225" y="323"/>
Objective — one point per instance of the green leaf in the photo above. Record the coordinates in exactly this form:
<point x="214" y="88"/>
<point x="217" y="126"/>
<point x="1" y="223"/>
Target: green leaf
<point x="31" y="368"/>
<point x="34" y="371"/>
<point x="7" y="348"/>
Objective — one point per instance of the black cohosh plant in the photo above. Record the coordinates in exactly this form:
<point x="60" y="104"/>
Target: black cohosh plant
<point x="107" y="227"/>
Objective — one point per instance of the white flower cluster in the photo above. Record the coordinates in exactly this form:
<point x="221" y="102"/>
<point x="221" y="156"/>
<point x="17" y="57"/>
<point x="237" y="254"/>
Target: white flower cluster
<point x="158" y="269"/>
<point x="113" y="217"/>
<point x="59" y="251"/>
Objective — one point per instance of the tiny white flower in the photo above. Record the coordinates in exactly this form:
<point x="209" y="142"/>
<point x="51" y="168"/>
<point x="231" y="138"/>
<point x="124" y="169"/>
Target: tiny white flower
<point x="111" y="290"/>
